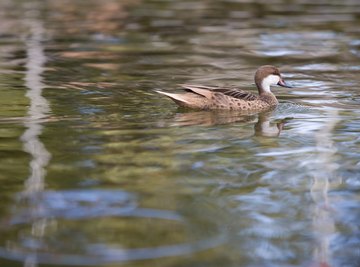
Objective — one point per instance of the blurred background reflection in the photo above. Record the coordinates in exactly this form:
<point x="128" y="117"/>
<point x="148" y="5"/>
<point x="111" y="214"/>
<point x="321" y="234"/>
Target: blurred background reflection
<point x="98" y="170"/>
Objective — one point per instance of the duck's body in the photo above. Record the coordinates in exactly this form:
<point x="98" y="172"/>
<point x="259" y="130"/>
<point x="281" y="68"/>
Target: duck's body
<point x="205" y="97"/>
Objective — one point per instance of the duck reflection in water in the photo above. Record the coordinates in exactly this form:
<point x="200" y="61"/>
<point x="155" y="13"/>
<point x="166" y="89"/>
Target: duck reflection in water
<point x="263" y="125"/>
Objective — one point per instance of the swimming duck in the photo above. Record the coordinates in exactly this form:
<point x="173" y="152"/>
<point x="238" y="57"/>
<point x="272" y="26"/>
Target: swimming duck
<point x="227" y="98"/>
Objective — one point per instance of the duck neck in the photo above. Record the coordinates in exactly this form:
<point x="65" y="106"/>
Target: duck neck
<point x="263" y="84"/>
<point x="268" y="97"/>
<point x="263" y="87"/>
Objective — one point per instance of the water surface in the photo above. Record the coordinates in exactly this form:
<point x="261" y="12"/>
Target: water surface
<point x="99" y="170"/>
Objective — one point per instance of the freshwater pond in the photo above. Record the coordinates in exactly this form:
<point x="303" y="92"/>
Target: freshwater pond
<point x="96" y="169"/>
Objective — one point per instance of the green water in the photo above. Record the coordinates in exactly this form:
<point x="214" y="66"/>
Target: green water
<point x="96" y="169"/>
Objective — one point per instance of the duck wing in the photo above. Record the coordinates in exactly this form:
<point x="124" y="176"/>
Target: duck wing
<point x="205" y="91"/>
<point x="229" y="91"/>
<point x="237" y="93"/>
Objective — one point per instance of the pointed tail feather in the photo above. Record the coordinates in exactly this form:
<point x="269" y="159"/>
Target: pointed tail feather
<point x="201" y="90"/>
<point x="177" y="98"/>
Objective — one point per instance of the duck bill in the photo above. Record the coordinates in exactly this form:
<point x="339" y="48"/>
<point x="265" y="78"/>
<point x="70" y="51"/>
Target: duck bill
<point x="283" y="84"/>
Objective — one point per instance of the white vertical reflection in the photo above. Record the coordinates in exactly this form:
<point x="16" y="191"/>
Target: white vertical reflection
<point x="323" y="172"/>
<point x="38" y="110"/>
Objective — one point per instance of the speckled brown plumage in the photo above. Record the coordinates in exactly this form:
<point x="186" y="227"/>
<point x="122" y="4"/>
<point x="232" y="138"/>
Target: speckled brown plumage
<point x="225" y="98"/>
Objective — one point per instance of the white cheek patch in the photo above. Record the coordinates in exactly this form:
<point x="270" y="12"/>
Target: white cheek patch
<point x="268" y="81"/>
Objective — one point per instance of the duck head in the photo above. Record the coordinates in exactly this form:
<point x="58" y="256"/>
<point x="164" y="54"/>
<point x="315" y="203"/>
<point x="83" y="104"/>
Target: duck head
<point x="267" y="76"/>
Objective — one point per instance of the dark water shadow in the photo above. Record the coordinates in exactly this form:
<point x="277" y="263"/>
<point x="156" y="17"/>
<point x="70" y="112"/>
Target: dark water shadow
<point x="264" y="123"/>
<point x="83" y="205"/>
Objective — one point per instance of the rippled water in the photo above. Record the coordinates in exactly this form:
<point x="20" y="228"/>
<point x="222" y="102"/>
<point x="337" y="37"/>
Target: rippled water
<point x="98" y="170"/>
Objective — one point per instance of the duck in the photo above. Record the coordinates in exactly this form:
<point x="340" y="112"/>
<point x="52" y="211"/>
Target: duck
<point x="202" y="97"/>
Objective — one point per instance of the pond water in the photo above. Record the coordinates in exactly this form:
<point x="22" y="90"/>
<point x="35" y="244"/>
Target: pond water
<point x="96" y="169"/>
